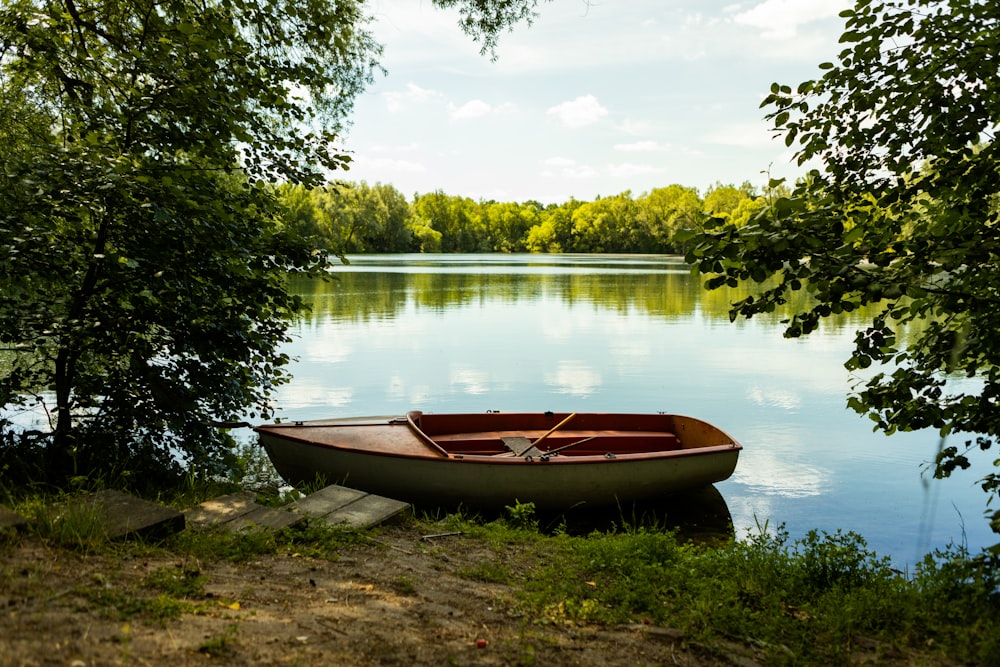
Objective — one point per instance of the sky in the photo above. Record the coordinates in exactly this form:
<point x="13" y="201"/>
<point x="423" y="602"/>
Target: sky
<point x="593" y="99"/>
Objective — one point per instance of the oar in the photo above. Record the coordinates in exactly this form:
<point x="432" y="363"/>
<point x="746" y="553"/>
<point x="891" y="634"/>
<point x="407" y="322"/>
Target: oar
<point x="552" y="430"/>
<point x="572" y="444"/>
<point x="556" y="450"/>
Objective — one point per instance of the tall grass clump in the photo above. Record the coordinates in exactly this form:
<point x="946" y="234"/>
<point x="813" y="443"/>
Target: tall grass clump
<point x="815" y="600"/>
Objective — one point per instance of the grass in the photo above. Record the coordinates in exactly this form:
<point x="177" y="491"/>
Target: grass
<point x="816" y="600"/>
<point x="220" y="645"/>
<point x="811" y="601"/>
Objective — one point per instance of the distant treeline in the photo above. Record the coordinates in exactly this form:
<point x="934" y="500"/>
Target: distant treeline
<point x="360" y="218"/>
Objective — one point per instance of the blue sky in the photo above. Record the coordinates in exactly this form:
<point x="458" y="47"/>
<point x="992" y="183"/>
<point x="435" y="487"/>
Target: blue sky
<point x="595" y="98"/>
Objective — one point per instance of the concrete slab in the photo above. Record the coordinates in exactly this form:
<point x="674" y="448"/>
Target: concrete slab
<point x="123" y="516"/>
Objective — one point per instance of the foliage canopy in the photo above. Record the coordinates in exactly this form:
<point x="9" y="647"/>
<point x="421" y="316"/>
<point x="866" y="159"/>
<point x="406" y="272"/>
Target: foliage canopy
<point x="899" y="209"/>
<point x="143" y="263"/>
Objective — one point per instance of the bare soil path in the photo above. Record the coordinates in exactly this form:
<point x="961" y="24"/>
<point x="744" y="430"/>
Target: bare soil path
<point x="400" y="599"/>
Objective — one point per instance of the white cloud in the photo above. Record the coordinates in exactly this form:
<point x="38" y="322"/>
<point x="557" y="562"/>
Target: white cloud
<point x="781" y="19"/>
<point x="411" y="147"/>
<point x="567" y="168"/>
<point x="628" y="170"/>
<point x="636" y="128"/>
<point x="642" y="147"/>
<point x="390" y="165"/>
<point x="476" y="109"/>
<point x="744" y="135"/>
<point x="414" y="94"/>
<point x="584" y="110"/>
<point x="471" y="109"/>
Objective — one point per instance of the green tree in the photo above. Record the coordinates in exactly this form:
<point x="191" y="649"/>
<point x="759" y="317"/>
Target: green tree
<point x="390" y="214"/>
<point x="554" y="233"/>
<point x="672" y="209"/>
<point x="902" y="211"/>
<point x="507" y="224"/>
<point x="359" y="218"/>
<point x="342" y="217"/>
<point x="457" y="219"/>
<point x="301" y="214"/>
<point x="142" y="277"/>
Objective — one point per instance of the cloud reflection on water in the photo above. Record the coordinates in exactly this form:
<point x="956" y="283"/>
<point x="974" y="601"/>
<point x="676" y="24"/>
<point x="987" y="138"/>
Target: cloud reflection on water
<point x="574" y="378"/>
<point x="776" y="462"/>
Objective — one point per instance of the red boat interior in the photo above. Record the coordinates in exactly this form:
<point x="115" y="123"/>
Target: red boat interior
<point x="547" y="434"/>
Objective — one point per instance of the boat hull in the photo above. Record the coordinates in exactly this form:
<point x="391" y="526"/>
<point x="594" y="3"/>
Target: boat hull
<point x="390" y="457"/>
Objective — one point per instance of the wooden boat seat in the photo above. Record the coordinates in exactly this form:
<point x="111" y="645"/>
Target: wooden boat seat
<point x="521" y="446"/>
<point x="591" y="442"/>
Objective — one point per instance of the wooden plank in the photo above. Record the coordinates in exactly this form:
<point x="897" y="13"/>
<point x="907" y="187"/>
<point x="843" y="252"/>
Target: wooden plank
<point x="326" y="500"/>
<point x="269" y="518"/>
<point x="337" y="504"/>
<point x="122" y="515"/>
<point x="221" y="510"/>
<point x="521" y="446"/>
<point x="11" y="520"/>
<point x="367" y="512"/>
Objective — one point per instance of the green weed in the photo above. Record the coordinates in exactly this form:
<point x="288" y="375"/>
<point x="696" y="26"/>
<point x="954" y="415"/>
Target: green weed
<point x="522" y="516"/>
<point x="68" y="522"/>
<point x="221" y="544"/>
<point x="220" y="645"/>
<point x="488" y="572"/>
<point x="809" y="601"/>
<point x="405" y="585"/>
<point x="177" y="581"/>
<point x="124" y="605"/>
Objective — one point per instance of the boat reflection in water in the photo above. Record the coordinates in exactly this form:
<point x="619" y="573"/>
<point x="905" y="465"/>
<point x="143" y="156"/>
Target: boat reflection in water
<point x="700" y="515"/>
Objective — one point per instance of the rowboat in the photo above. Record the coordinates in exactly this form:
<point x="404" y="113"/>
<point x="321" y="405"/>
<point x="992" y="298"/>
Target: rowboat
<point x="495" y="459"/>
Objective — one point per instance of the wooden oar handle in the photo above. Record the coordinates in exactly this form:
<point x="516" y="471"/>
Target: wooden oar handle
<point x="553" y="430"/>
<point x="572" y="444"/>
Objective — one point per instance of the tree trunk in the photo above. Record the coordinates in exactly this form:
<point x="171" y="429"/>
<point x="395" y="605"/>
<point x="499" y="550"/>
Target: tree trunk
<point x="61" y="451"/>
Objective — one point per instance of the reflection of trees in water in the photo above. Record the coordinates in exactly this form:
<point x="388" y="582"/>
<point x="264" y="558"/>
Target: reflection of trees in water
<point x="374" y="295"/>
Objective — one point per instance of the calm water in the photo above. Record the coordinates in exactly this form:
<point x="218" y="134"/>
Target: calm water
<point x="473" y="333"/>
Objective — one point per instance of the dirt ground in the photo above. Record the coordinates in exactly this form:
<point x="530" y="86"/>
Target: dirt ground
<point x="401" y="600"/>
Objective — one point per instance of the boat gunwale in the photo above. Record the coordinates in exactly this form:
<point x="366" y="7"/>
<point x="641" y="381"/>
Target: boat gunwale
<point x="435" y="452"/>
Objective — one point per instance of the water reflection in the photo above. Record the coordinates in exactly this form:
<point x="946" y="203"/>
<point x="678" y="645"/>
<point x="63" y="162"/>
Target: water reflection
<point x="475" y="333"/>
<point x="574" y="378"/>
<point x="384" y="286"/>
<point x="700" y="516"/>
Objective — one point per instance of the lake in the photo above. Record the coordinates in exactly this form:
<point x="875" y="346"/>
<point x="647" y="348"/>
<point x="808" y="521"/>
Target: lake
<point x="604" y="333"/>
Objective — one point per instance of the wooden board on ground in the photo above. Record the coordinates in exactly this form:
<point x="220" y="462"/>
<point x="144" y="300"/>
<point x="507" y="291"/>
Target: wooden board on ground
<point x="332" y="504"/>
<point x="11" y="520"/>
<point x="337" y="504"/>
<point x="368" y="511"/>
<point x="326" y="500"/>
<point x="240" y="511"/>
<point x="122" y="515"/>
<point x="221" y="510"/>
<point x="270" y="518"/>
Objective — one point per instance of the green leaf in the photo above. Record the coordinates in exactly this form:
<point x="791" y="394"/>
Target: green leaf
<point x="854" y="235"/>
